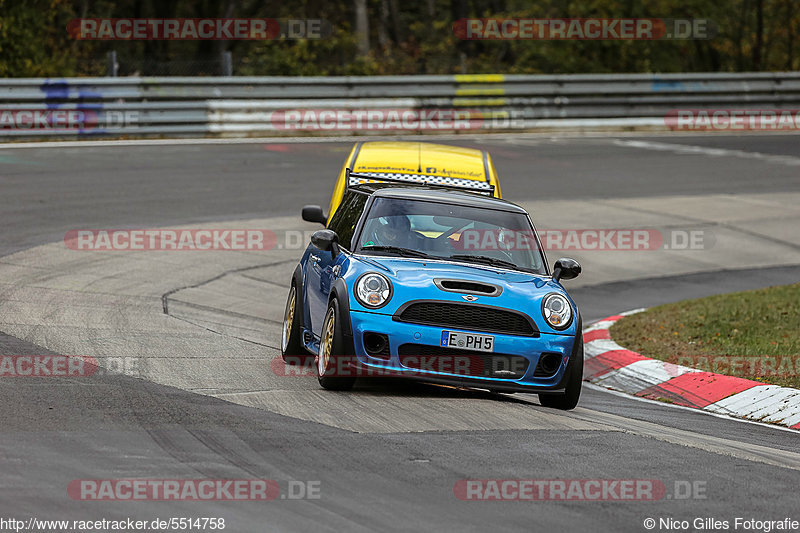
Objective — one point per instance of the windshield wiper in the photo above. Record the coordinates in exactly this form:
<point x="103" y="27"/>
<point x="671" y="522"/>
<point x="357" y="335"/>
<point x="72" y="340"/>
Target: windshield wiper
<point x="485" y="260"/>
<point x="407" y="252"/>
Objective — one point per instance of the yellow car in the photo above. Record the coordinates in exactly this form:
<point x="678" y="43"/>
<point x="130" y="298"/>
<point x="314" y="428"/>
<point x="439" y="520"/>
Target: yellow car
<point x="416" y="162"/>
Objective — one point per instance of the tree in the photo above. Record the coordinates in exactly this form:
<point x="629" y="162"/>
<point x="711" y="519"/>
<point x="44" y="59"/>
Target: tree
<point x="362" y="27"/>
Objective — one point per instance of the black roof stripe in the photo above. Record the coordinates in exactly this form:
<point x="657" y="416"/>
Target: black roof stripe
<point x="355" y="155"/>
<point x="447" y="197"/>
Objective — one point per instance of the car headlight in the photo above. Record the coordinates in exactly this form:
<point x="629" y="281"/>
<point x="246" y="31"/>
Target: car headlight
<point x="556" y="311"/>
<point x="373" y="290"/>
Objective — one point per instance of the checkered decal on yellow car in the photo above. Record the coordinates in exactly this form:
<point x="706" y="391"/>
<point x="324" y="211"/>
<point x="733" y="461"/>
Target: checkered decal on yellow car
<point x="421" y="179"/>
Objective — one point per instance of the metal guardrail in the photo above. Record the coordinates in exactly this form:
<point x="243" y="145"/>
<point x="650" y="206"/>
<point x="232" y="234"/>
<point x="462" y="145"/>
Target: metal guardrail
<point x="89" y="107"/>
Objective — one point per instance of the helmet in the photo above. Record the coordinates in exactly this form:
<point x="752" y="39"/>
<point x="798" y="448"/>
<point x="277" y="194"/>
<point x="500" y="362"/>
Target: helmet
<point x="396" y="231"/>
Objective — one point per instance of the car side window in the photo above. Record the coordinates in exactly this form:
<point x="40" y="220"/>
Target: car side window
<point x="344" y="220"/>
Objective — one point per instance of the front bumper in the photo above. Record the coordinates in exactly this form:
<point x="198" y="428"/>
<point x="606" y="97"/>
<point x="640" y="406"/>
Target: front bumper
<point x="400" y="333"/>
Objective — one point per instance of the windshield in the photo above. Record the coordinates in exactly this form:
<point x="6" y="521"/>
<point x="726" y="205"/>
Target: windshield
<point x="418" y="228"/>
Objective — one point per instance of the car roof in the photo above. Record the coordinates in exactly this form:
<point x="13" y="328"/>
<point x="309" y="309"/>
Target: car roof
<point x="468" y="199"/>
<point x="396" y="157"/>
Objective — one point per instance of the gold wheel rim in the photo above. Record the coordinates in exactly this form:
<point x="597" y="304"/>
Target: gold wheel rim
<point x="326" y="344"/>
<point x="288" y="319"/>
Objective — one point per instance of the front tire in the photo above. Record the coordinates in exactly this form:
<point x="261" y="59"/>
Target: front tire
<point x="573" y="382"/>
<point x="331" y="359"/>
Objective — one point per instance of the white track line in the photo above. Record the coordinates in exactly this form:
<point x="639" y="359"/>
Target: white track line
<point x="685" y="149"/>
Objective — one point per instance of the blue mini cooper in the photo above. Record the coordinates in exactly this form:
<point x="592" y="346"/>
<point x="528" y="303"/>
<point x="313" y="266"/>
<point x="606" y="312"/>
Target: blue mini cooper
<point x="437" y="283"/>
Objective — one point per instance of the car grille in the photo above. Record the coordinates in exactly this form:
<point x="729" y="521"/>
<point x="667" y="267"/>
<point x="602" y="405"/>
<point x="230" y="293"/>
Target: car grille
<point x="467" y="316"/>
<point x="462" y="362"/>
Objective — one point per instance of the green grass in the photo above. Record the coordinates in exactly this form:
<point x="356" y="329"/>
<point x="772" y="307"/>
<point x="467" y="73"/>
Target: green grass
<point x="753" y="334"/>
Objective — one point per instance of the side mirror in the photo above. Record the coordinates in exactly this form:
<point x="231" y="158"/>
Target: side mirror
<point x="326" y="240"/>
<point x="566" y="268"/>
<point x="313" y="213"/>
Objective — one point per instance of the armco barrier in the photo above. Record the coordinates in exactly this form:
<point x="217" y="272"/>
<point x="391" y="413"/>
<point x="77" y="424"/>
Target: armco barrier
<point x="90" y="107"/>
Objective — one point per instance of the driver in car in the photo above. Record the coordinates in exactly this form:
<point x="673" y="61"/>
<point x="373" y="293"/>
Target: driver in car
<point x="395" y="232"/>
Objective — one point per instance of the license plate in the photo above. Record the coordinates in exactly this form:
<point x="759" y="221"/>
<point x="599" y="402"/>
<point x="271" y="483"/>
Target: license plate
<point x="467" y="341"/>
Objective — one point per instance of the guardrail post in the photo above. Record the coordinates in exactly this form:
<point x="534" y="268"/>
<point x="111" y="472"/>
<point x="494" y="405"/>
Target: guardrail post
<point x="112" y="67"/>
<point x="227" y="64"/>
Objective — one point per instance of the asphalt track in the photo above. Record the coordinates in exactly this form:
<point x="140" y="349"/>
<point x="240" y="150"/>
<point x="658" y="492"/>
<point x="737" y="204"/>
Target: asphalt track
<point x="204" y="403"/>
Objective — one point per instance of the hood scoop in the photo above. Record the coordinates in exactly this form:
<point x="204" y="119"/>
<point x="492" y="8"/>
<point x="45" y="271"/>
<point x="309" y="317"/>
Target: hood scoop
<point x="468" y="287"/>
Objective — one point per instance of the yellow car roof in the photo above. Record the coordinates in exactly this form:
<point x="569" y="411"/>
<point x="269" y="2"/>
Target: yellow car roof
<point x="421" y="158"/>
<point x="418" y="158"/>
